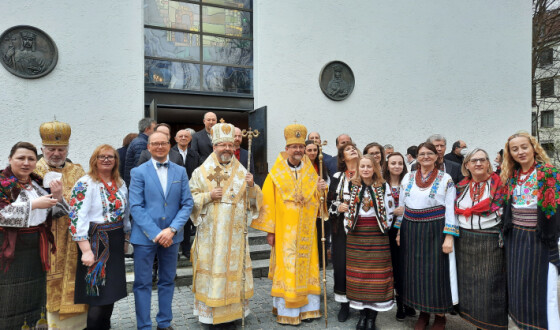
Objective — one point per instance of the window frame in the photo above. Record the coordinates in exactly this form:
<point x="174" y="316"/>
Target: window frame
<point x="201" y="62"/>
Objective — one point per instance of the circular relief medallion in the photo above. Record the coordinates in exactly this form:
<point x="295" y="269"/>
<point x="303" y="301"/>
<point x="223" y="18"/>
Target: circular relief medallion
<point x="27" y="52"/>
<point x="336" y="80"/>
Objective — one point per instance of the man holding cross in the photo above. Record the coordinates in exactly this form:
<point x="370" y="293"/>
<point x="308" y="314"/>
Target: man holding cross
<point x="290" y="203"/>
<point x="219" y="188"/>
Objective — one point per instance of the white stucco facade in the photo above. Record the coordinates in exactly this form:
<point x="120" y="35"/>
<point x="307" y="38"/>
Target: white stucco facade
<point x="459" y="68"/>
<point x="97" y="86"/>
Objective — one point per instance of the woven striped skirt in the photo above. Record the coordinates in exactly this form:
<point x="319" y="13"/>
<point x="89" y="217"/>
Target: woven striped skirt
<point x="23" y="287"/>
<point x="425" y="266"/>
<point x="527" y="270"/>
<point x="481" y="270"/>
<point x="369" y="274"/>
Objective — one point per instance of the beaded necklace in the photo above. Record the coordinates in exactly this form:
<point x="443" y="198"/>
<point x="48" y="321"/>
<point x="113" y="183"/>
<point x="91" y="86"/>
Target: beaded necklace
<point x="111" y="189"/>
<point x="425" y="183"/>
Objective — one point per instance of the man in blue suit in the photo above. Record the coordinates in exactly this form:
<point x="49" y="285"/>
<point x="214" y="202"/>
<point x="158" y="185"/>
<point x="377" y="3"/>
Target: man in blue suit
<point x="160" y="203"/>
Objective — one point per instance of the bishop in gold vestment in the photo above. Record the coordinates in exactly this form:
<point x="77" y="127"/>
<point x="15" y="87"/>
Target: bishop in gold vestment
<point x="219" y="189"/>
<point x="290" y="205"/>
<point x="61" y="309"/>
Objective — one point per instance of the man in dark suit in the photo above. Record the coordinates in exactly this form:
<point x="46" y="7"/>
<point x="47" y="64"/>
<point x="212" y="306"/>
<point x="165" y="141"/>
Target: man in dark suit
<point x="146" y="127"/>
<point x="332" y="163"/>
<point x="174" y="155"/>
<point x="315" y="137"/>
<point x="190" y="159"/>
<point x="161" y="203"/>
<point x="202" y="140"/>
<point x="241" y="154"/>
<point x="451" y="168"/>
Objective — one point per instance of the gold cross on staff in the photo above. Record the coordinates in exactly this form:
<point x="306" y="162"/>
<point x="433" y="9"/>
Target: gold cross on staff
<point x="250" y="134"/>
<point x="217" y="176"/>
<point x="320" y="146"/>
<point x="222" y="120"/>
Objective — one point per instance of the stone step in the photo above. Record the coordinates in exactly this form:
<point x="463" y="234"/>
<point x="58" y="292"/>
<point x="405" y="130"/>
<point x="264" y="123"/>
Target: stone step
<point x="185" y="274"/>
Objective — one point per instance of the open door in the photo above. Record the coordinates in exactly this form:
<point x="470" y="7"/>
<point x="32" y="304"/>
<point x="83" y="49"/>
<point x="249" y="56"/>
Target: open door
<point x="257" y="120"/>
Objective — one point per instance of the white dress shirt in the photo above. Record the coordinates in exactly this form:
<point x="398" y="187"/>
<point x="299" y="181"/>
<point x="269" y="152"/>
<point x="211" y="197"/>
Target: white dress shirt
<point x="162" y="174"/>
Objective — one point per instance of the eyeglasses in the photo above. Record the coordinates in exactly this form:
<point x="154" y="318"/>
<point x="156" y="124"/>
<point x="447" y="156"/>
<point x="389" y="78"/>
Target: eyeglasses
<point x="426" y="154"/>
<point x="476" y="160"/>
<point x="159" y="144"/>
<point x="104" y="157"/>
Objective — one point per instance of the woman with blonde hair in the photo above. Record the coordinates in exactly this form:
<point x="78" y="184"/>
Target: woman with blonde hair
<point x="369" y="273"/>
<point x="531" y="227"/>
<point x="99" y="218"/>
<point x="480" y="252"/>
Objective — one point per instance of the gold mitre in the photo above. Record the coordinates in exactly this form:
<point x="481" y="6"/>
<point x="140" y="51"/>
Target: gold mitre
<point x="222" y="132"/>
<point x="295" y="134"/>
<point x="55" y="133"/>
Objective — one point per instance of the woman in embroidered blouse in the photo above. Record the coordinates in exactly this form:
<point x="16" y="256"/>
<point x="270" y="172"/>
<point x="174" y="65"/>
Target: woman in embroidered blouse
<point x="531" y="227"/>
<point x="312" y="151"/>
<point x="426" y="239"/>
<point x="368" y="254"/>
<point x="338" y="199"/>
<point x="26" y="212"/>
<point x="393" y="173"/>
<point x="99" y="217"/>
<point x="480" y="253"/>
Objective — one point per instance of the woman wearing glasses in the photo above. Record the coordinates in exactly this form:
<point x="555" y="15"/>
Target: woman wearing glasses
<point x="377" y="151"/>
<point x="426" y="238"/>
<point x="480" y="252"/>
<point x="531" y="226"/>
<point x="99" y="218"/>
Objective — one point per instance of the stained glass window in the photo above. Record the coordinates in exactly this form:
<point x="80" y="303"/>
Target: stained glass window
<point x="199" y="45"/>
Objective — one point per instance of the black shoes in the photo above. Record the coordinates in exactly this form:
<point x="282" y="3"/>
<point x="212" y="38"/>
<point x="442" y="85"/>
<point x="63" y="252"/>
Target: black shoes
<point x="401" y="314"/>
<point x="409" y="311"/>
<point x="362" y="321"/>
<point x="344" y="312"/>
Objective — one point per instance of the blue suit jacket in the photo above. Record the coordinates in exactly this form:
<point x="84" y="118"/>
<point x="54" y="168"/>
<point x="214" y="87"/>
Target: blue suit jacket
<point x="152" y="212"/>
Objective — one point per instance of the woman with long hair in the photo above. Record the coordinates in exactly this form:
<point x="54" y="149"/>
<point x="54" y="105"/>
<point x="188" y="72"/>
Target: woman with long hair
<point x="338" y="199"/>
<point x="99" y="218"/>
<point x="393" y="173"/>
<point x="531" y="228"/>
<point x="369" y="274"/>
<point x="426" y="239"/>
<point x="377" y="151"/>
<point x="480" y="252"/>
<point x="312" y="152"/>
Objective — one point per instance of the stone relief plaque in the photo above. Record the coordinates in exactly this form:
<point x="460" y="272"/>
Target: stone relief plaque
<point x="27" y="52"/>
<point x="337" y="80"/>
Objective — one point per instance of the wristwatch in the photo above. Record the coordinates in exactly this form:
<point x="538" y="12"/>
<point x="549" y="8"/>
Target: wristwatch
<point x="173" y="230"/>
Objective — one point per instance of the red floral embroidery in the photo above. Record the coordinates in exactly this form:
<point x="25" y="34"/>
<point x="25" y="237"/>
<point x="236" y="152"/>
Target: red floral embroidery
<point x="111" y="198"/>
<point x="80" y="196"/>
<point x="118" y="204"/>
<point x="72" y="202"/>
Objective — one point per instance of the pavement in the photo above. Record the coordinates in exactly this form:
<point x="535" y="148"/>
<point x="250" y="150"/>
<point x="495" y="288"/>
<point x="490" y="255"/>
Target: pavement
<point x="261" y="313"/>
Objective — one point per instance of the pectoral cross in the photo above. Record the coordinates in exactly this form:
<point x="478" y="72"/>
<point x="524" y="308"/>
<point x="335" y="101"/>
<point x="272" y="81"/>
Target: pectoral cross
<point x="217" y="176"/>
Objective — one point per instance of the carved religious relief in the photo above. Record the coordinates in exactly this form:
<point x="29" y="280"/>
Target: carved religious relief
<point x="337" y="81"/>
<point x="27" y="52"/>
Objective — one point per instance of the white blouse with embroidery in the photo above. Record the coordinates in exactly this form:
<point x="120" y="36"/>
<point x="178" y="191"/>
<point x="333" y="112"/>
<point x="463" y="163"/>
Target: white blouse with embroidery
<point x="91" y="202"/>
<point x="525" y="195"/>
<point x="441" y="193"/>
<point x="19" y="214"/>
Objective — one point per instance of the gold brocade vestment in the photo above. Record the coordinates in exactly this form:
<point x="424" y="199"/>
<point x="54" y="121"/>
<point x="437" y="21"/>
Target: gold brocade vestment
<point x="62" y="275"/>
<point x="216" y="252"/>
<point x="289" y="211"/>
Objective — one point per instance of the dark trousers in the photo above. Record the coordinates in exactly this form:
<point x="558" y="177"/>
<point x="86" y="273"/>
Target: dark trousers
<point x="327" y="241"/>
<point x="186" y="244"/>
<point x="99" y="317"/>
